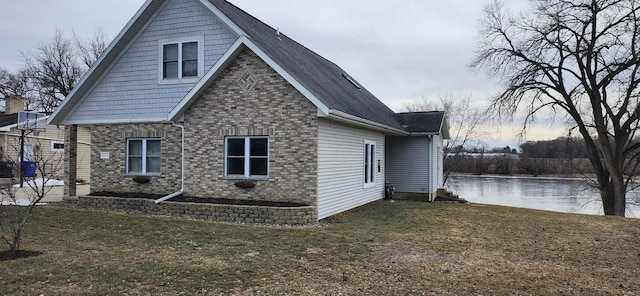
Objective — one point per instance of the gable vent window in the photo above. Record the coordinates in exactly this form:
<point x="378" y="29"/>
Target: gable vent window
<point x="181" y="60"/>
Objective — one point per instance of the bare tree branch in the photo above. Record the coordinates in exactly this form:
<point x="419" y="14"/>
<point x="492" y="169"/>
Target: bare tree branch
<point x="90" y="48"/>
<point x="581" y="56"/>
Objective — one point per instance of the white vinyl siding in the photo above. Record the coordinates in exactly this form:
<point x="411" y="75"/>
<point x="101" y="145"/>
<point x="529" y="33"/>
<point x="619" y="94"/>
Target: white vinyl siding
<point x="340" y="168"/>
<point x="409" y="166"/>
<point x="127" y="89"/>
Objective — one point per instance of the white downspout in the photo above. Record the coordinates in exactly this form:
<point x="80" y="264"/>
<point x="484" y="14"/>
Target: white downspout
<point x="430" y="156"/>
<point x="172" y="195"/>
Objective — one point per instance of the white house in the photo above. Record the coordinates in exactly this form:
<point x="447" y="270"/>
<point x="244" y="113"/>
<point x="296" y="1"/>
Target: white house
<point x="196" y="95"/>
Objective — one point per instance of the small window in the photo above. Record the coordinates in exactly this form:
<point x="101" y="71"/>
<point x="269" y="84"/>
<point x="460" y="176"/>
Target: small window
<point x="170" y="61"/>
<point x="143" y="156"/>
<point x="180" y="59"/>
<point x="369" y="163"/>
<point x="247" y="157"/>
<point x="57" y="146"/>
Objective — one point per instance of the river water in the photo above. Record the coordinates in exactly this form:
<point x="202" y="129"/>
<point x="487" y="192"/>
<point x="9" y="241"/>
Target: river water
<point x="552" y="194"/>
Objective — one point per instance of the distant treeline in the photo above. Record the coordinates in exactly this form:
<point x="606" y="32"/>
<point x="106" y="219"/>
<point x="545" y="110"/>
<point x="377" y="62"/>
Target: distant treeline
<point x="558" y="148"/>
<point x="512" y="166"/>
<point x="562" y="156"/>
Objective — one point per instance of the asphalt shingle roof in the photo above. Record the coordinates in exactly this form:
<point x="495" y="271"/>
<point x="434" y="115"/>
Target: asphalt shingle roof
<point x="422" y="122"/>
<point x="8" y="119"/>
<point x="318" y="75"/>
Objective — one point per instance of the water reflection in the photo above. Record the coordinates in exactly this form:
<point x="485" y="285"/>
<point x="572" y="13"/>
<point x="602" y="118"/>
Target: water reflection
<point x="560" y="195"/>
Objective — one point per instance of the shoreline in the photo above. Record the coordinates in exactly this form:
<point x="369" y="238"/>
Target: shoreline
<point x="545" y="177"/>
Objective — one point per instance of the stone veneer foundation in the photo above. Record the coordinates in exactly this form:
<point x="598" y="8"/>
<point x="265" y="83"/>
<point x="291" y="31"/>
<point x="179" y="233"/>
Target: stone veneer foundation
<point x="303" y="215"/>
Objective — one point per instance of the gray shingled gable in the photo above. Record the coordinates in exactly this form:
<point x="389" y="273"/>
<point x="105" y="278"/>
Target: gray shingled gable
<point x="318" y="75"/>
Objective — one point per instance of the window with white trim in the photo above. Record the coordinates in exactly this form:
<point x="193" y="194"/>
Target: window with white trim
<point x="143" y="156"/>
<point x="57" y="146"/>
<point x="181" y="60"/>
<point x="369" y="163"/>
<point x="247" y="157"/>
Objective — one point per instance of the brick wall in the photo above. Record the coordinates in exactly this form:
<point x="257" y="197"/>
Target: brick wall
<point x="249" y="98"/>
<point x="212" y="212"/>
<point x="111" y="175"/>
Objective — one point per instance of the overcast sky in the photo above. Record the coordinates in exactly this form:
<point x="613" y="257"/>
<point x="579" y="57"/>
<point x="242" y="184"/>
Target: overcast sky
<point x="400" y="50"/>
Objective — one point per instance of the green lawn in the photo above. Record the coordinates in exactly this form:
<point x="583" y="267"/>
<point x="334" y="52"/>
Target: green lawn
<point x="401" y="248"/>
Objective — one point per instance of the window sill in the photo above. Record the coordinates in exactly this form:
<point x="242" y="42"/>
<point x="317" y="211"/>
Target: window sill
<point x="142" y="175"/>
<point x="168" y="81"/>
<point x="265" y="178"/>
<point x="368" y="185"/>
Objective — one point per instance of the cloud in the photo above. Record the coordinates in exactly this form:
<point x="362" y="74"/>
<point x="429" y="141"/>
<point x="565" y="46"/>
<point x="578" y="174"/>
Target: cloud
<point x="400" y="50"/>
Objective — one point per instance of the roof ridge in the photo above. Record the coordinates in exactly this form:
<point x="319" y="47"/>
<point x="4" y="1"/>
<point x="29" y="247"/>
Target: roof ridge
<point x="282" y="34"/>
<point x="416" y="112"/>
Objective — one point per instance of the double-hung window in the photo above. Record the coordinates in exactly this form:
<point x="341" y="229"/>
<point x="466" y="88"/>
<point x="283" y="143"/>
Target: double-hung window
<point x="369" y="163"/>
<point x="247" y="157"/>
<point x="143" y="156"/>
<point x="181" y="60"/>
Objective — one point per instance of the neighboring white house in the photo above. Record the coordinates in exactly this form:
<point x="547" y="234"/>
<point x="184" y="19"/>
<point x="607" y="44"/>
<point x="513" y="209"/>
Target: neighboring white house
<point x="195" y="95"/>
<point x="49" y="142"/>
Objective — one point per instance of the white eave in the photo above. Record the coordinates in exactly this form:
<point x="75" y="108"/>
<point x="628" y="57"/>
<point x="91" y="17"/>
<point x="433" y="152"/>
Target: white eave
<point x="231" y="25"/>
<point x="444" y="127"/>
<point x="354" y="120"/>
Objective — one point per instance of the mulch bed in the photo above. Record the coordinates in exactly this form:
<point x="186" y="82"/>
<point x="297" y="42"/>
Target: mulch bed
<point x="19" y="254"/>
<point x="206" y="200"/>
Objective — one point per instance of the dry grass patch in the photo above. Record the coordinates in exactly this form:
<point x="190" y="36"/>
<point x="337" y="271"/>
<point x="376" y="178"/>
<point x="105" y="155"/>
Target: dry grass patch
<point x="381" y="249"/>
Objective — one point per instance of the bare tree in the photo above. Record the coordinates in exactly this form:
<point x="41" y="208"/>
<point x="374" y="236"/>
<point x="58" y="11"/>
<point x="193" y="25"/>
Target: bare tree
<point x="51" y="73"/>
<point x="465" y="125"/>
<point x="57" y="65"/>
<point x="54" y="71"/>
<point x="16" y="205"/>
<point x="579" y="59"/>
<point x="90" y="48"/>
<point x="15" y="84"/>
